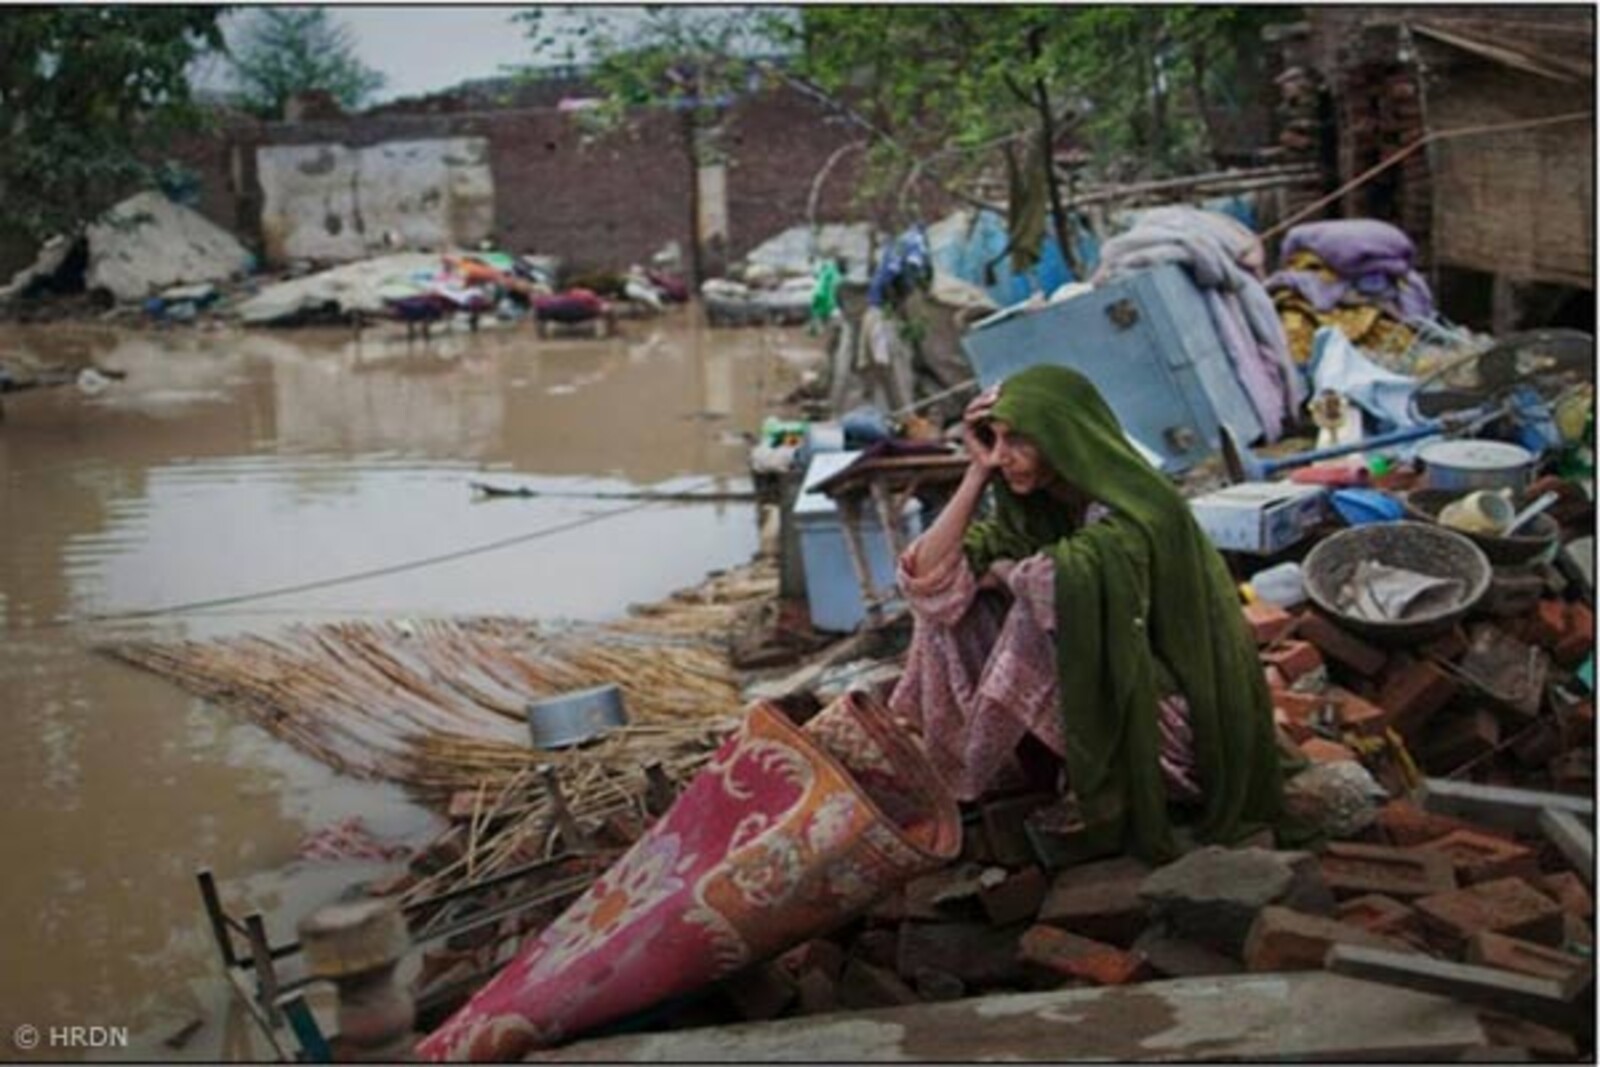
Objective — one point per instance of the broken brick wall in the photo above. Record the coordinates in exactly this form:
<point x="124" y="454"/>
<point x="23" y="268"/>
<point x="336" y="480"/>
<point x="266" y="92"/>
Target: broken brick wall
<point x="597" y="202"/>
<point x="1512" y="204"/>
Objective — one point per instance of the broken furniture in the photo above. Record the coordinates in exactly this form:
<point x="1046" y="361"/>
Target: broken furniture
<point x="272" y="980"/>
<point x="830" y="516"/>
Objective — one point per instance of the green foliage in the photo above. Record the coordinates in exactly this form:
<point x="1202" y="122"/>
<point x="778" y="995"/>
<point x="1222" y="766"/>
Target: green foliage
<point x="283" y="51"/>
<point x="692" y="59"/>
<point x="1129" y="83"/>
<point x="947" y="92"/>
<point x="85" y="94"/>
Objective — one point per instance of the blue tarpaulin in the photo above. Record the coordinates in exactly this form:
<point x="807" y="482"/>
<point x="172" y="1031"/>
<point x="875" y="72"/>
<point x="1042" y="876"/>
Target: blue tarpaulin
<point x="962" y="247"/>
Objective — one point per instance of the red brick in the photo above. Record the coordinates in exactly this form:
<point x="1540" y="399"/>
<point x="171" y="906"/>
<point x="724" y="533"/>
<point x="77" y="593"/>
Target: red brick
<point x="1480" y="857"/>
<point x="1294" y="658"/>
<point x="1267" y="622"/>
<point x="1550" y="623"/>
<point x="1508" y="1031"/>
<point x="817" y="955"/>
<point x="863" y="986"/>
<point x="1452" y="646"/>
<point x="761" y="992"/>
<point x="1321" y="750"/>
<point x="978" y="953"/>
<point x="1539" y="743"/>
<point x="1412" y="691"/>
<point x="1454" y="740"/>
<point x="1014" y="897"/>
<point x="1568" y="890"/>
<point x="818" y="993"/>
<point x="1579" y="641"/>
<point x="1404" y="824"/>
<point x="1524" y="957"/>
<point x="1352" y="870"/>
<point x="1099" y="900"/>
<point x="1359" y="714"/>
<point x="1577" y="722"/>
<point x="1573" y="772"/>
<point x="1079" y="957"/>
<point x="1291" y="728"/>
<point x="1284" y="940"/>
<point x="1379" y="914"/>
<point x="1339" y="646"/>
<point x="1003" y="822"/>
<point x="1507" y="906"/>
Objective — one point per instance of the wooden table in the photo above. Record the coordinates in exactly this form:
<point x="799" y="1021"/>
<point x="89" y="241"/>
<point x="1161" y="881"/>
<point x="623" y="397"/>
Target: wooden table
<point x="890" y="482"/>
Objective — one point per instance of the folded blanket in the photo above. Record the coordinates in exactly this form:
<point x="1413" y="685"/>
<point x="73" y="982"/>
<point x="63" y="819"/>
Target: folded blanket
<point x="1361" y="261"/>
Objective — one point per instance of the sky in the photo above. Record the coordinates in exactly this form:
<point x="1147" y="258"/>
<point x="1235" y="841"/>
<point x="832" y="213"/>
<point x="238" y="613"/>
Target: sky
<point x="426" y="48"/>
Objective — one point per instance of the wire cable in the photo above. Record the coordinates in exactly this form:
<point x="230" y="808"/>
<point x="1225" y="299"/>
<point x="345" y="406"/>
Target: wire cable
<point x="374" y="572"/>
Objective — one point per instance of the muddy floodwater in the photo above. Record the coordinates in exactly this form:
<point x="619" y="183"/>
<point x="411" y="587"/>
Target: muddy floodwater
<point x="228" y="464"/>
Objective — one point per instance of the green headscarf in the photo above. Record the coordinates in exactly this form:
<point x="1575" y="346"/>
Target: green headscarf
<point x="1138" y="595"/>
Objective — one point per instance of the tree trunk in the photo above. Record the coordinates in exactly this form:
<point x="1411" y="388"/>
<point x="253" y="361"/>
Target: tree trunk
<point x="1047" y="147"/>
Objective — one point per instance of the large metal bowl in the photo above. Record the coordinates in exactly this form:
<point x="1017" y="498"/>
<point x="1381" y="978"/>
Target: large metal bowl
<point x="1413" y="546"/>
<point x="575" y="717"/>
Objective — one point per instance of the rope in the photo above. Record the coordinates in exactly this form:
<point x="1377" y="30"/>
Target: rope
<point x="1437" y="135"/>
<point x="374" y="572"/>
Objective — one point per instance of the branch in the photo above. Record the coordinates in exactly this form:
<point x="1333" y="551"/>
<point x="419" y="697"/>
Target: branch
<point x="822" y="176"/>
<point x="833" y="103"/>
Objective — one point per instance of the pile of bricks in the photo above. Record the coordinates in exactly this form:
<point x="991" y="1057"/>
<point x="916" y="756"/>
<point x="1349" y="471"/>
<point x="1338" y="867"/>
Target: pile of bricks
<point x="1430" y="889"/>
<point x="1491" y="704"/>
<point x="1495" y="701"/>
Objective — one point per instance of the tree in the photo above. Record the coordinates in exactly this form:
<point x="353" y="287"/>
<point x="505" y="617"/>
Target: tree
<point x="946" y="87"/>
<point x="959" y="96"/>
<point x="87" y="95"/>
<point x="283" y="51"/>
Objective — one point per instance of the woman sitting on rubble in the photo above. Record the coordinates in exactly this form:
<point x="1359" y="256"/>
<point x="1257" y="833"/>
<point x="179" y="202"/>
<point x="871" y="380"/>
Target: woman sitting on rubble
<point x="1092" y="616"/>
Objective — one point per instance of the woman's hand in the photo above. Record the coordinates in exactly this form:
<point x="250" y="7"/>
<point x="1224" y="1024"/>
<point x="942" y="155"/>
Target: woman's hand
<point x="979" y="411"/>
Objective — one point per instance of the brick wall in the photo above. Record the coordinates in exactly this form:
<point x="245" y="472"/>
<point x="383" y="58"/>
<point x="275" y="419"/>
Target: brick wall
<point x="777" y="144"/>
<point x="597" y="203"/>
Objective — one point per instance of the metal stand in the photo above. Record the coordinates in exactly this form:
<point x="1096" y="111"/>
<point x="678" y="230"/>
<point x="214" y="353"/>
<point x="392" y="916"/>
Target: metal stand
<point x="271" y="980"/>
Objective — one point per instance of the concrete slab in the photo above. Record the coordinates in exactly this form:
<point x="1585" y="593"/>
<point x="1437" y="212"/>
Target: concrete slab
<point x="1501" y="807"/>
<point x="1310" y="1015"/>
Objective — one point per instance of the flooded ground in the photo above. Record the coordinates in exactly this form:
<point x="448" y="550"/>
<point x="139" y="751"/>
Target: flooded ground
<point x="231" y="464"/>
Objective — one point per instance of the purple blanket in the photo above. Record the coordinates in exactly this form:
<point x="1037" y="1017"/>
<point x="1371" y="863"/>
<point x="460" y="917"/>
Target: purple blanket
<point x="1374" y="260"/>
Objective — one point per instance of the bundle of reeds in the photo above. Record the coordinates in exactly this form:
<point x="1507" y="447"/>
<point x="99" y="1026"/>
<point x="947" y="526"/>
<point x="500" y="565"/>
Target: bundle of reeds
<point x="512" y="806"/>
<point x="366" y="697"/>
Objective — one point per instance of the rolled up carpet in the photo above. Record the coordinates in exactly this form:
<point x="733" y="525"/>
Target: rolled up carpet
<point x="785" y="835"/>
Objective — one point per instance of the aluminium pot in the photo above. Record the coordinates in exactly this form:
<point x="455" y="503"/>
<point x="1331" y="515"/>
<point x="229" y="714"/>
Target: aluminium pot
<point x="1474" y="464"/>
<point x="573" y="718"/>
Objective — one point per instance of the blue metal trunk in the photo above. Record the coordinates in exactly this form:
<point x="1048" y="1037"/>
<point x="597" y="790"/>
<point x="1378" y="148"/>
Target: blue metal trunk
<point x="1148" y="343"/>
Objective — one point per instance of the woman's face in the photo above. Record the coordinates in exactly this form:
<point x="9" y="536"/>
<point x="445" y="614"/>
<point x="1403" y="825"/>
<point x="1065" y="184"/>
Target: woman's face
<point x="1019" y="460"/>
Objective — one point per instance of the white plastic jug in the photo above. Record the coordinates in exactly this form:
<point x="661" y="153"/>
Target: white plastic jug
<point x="1283" y="585"/>
<point x="1487" y="511"/>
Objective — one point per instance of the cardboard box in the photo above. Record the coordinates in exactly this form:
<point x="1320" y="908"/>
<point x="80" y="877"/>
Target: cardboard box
<point x="1259" y="517"/>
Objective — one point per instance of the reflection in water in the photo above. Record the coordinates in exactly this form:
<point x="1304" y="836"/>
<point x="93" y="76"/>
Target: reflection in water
<point x="231" y="463"/>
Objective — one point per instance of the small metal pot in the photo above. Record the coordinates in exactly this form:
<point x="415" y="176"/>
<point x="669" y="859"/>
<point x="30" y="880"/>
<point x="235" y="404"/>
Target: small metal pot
<point x="1462" y="465"/>
<point x="575" y="717"/>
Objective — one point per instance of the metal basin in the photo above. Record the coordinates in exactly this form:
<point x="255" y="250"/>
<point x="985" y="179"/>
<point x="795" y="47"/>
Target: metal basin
<point x="575" y="717"/>
<point x="1476" y="464"/>
<point x="1538" y="540"/>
